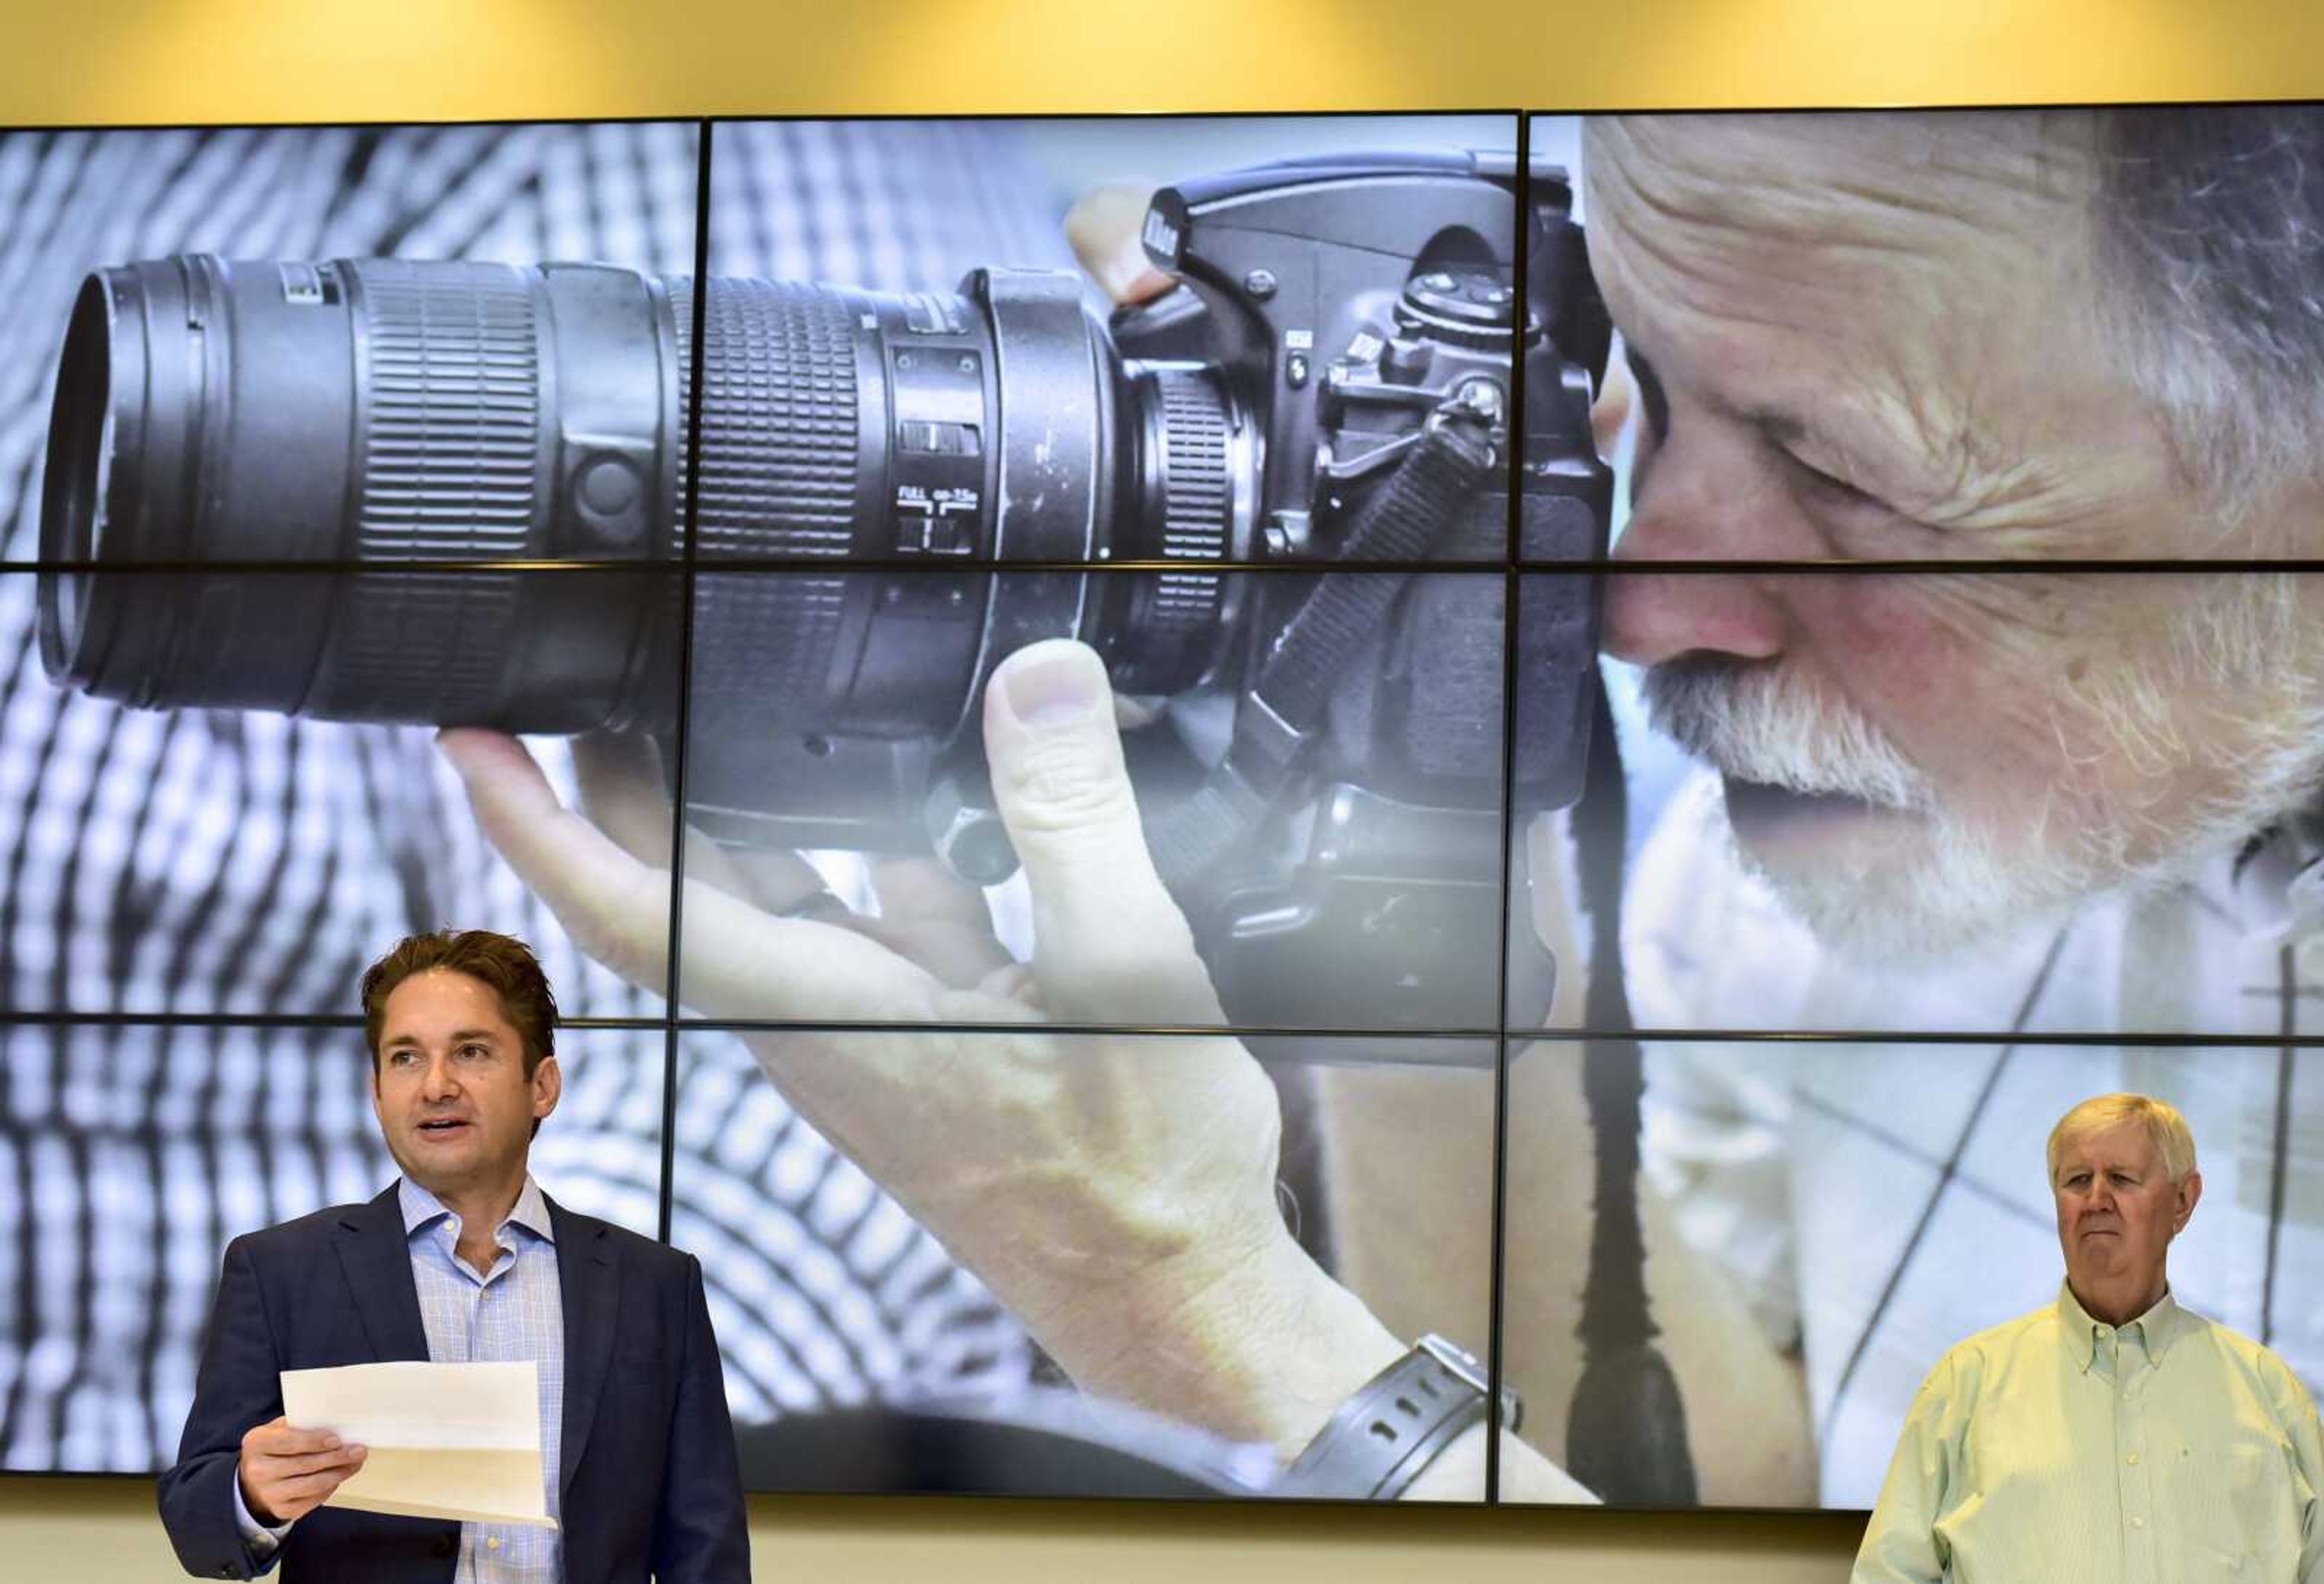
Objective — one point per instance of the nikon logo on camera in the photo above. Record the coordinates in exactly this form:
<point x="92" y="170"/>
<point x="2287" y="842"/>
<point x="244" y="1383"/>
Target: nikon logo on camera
<point x="1161" y="236"/>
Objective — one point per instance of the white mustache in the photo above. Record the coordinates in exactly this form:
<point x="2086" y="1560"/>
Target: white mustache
<point x="1754" y="722"/>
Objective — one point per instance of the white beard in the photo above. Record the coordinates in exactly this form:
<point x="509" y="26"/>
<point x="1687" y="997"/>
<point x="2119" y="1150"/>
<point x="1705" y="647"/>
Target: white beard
<point x="1961" y="884"/>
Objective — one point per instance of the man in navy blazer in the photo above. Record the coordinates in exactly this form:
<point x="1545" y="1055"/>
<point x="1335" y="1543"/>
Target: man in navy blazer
<point x="464" y="1258"/>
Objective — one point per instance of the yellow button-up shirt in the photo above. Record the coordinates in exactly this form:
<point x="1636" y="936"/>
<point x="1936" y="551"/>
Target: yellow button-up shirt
<point x="2060" y="1450"/>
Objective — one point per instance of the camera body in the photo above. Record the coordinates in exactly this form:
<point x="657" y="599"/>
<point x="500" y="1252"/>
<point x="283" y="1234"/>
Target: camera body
<point x="1278" y="500"/>
<point x="1355" y="299"/>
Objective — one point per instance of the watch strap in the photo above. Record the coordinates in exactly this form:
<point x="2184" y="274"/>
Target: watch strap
<point x="1396" y="1425"/>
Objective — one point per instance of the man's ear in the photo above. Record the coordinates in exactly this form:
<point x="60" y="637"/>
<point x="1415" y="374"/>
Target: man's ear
<point x="2189" y="1192"/>
<point x="547" y="1087"/>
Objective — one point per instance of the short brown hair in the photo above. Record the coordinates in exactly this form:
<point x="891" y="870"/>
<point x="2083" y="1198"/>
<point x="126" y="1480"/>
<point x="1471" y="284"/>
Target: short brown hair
<point x="503" y="963"/>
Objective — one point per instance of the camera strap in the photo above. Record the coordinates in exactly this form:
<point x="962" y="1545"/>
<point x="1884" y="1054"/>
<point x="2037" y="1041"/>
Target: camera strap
<point x="1401" y="522"/>
<point x="1454" y="458"/>
<point x="1625" y="1427"/>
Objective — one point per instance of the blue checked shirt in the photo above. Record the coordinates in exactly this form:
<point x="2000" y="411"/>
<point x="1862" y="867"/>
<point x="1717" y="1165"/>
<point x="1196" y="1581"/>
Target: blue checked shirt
<point x="512" y="1313"/>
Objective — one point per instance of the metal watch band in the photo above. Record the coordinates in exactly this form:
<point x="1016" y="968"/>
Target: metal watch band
<point x="1397" y="1423"/>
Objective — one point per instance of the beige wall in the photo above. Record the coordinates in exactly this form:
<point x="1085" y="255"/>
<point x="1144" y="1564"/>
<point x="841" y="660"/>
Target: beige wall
<point x="102" y="1531"/>
<point x="179" y="60"/>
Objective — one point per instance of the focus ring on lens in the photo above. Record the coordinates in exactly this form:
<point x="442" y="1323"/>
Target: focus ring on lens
<point x="452" y="421"/>
<point x="1173" y="616"/>
<point x="1197" y="491"/>
<point x="780" y="441"/>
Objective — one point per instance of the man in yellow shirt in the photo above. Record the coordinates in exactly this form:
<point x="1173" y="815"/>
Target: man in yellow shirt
<point x="2112" y="1436"/>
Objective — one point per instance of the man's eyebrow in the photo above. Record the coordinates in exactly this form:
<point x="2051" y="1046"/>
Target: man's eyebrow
<point x="457" y="1034"/>
<point x="1908" y="481"/>
<point x="1788" y="429"/>
<point x="1780" y="427"/>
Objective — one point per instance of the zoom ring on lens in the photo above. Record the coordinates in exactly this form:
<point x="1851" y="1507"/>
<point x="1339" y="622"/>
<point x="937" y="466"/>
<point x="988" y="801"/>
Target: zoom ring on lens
<point x="780" y="441"/>
<point x="451" y="427"/>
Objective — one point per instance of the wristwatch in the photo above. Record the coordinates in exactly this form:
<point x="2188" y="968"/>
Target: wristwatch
<point x="1397" y="1423"/>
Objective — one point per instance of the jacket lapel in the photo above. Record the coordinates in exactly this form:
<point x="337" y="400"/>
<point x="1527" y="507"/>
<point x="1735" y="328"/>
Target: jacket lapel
<point x="589" y="1275"/>
<point x="376" y="1259"/>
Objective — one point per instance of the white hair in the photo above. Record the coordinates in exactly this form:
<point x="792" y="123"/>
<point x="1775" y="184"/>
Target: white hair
<point x="2174" y="1141"/>
<point x="2210" y="223"/>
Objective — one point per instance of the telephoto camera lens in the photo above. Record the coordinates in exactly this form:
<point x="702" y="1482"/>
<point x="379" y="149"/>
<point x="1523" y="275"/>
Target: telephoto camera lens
<point x="435" y="440"/>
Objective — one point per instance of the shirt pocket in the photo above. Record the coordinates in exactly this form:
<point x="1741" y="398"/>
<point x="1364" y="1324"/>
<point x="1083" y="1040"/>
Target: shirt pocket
<point x="2240" y="1501"/>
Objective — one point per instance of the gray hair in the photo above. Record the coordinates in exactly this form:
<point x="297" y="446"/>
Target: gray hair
<point x="2173" y="1140"/>
<point x="2210" y="226"/>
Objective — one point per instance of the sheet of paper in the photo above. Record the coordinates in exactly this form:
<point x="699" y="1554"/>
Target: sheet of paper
<point x="445" y="1441"/>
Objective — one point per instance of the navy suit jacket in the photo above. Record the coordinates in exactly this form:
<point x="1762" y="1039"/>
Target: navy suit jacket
<point x="650" y="1482"/>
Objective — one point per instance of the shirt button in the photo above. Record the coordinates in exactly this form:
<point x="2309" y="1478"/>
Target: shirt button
<point x="495" y="1543"/>
<point x="2132" y="1459"/>
<point x="2135" y="1524"/>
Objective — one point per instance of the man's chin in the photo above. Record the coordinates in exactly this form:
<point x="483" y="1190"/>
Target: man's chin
<point x="439" y="1170"/>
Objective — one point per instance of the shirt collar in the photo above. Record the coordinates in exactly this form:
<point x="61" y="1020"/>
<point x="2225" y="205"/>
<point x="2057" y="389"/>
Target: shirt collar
<point x="2155" y="1330"/>
<point x="421" y="1209"/>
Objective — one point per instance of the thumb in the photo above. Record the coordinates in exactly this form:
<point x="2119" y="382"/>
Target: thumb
<point x="1104" y="228"/>
<point x="1110" y="945"/>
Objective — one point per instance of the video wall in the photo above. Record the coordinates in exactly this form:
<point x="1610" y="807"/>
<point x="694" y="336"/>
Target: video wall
<point x="1154" y="757"/>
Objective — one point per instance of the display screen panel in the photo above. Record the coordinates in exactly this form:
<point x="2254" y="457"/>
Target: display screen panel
<point x="1863" y="833"/>
<point x="940" y="384"/>
<point x="1830" y="321"/>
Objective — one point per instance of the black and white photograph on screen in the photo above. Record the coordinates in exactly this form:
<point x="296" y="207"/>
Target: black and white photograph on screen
<point x="1991" y="799"/>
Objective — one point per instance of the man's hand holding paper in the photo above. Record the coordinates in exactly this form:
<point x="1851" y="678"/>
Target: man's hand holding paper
<point x="287" y="1472"/>
<point x="444" y="1440"/>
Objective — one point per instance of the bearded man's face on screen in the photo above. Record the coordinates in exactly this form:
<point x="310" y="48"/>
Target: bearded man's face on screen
<point x="1904" y="337"/>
